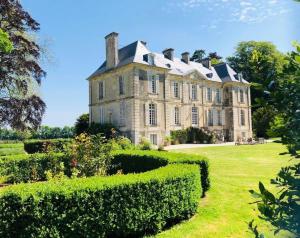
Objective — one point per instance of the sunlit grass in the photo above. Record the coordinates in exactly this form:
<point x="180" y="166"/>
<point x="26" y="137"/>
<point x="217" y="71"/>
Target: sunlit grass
<point x="11" y="149"/>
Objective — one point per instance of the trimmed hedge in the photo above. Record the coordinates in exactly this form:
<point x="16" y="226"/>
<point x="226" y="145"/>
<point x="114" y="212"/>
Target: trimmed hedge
<point x="38" y="146"/>
<point x="116" y="206"/>
<point x="138" y="161"/>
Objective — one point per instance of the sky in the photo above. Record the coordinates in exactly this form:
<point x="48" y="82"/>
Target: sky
<point x="73" y="33"/>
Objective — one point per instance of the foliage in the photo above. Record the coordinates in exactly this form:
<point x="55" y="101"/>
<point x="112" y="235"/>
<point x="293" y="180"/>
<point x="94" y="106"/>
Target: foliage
<point x="198" y="55"/>
<point x="121" y="143"/>
<point x="282" y="211"/>
<point x="90" y="155"/>
<point x="192" y="135"/>
<point x="20" y="69"/>
<point x="46" y="132"/>
<point x="81" y="124"/>
<point x="276" y="127"/>
<point x="215" y="58"/>
<point x="6" y="45"/>
<point x="262" y="119"/>
<point x="11" y="149"/>
<point x="139" y="161"/>
<point x="149" y="202"/>
<point x="7" y="134"/>
<point x="144" y="144"/>
<point x="39" y="146"/>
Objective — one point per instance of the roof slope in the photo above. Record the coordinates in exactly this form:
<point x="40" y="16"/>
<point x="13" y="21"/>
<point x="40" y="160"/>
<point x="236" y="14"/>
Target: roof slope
<point x="135" y="52"/>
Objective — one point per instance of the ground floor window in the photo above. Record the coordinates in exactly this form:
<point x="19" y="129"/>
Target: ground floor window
<point x="195" y="116"/>
<point x="153" y="139"/>
<point x="210" y="118"/>
<point x="102" y="115"/>
<point x="176" y="116"/>
<point x="152" y="115"/>
<point x="219" y="118"/>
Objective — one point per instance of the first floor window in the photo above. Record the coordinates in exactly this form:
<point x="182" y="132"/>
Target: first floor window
<point x="121" y="85"/>
<point x="218" y="95"/>
<point x="152" y="115"/>
<point x="210" y="118"/>
<point x="152" y="84"/>
<point x="219" y="118"/>
<point x="241" y="96"/>
<point x="176" y="89"/>
<point x="208" y="95"/>
<point x="195" y="115"/>
<point x="242" y="117"/>
<point x="176" y="116"/>
<point x="102" y="115"/>
<point x="122" y="113"/>
<point x="101" y="90"/>
<point x="194" y="92"/>
<point x="153" y="139"/>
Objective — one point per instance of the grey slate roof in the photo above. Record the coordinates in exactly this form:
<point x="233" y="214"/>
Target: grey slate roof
<point x="134" y="53"/>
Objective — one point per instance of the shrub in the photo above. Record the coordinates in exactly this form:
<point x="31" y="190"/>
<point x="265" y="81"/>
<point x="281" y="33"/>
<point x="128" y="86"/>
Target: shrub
<point x="144" y="144"/>
<point x="192" y="135"/>
<point x="179" y="136"/>
<point x="81" y="124"/>
<point x="138" y="161"/>
<point x="122" y="143"/>
<point x="116" y="206"/>
<point x="39" y="146"/>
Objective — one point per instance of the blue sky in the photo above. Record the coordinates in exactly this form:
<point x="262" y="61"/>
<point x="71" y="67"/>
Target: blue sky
<point x="74" y="32"/>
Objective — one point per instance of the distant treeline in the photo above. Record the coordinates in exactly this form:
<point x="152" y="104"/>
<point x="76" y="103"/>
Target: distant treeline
<point x="44" y="132"/>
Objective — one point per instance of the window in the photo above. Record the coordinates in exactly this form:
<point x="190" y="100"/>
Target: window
<point x="122" y="113"/>
<point x="176" y="116"/>
<point x="219" y="118"/>
<point x="153" y="139"/>
<point x="176" y="89"/>
<point x="241" y="96"/>
<point x="102" y="115"/>
<point x="218" y="95"/>
<point x="210" y="118"/>
<point x="194" y="92"/>
<point x="195" y="119"/>
<point x="101" y="90"/>
<point x="121" y="85"/>
<point x="242" y="117"/>
<point x="153" y="83"/>
<point x="152" y="115"/>
<point x="208" y="96"/>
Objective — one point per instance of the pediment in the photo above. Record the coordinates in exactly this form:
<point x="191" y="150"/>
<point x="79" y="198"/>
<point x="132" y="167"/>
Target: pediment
<point x="195" y="74"/>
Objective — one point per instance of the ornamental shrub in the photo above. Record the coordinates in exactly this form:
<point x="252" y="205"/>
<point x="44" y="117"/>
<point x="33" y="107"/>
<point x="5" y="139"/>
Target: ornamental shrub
<point x="131" y="205"/>
<point x="193" y="135"/>
<point x="40" y="146"/>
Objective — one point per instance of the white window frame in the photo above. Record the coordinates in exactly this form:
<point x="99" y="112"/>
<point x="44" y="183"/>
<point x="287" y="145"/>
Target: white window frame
<point x="194" y="92"/>
<point x="176" y="116"/>
<point x="102" y="115"/>
<point x="121" y="85"/>
<point x="176" y="89"/>
<point x="101" y="90"/>
<point x="218" y="95"/>
<point x="152" y="114"/>
<point x="209" y="94"/>
<point x="153" y="83"/>
<point x="195" y="116"/>
<point x="153" y="139"/>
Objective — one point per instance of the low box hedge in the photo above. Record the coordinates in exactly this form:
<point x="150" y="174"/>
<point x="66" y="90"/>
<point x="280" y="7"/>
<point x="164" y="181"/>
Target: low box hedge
<point x="38" y="146"/>
<point x="140" y="160"/>
<point x="115" y="206"/>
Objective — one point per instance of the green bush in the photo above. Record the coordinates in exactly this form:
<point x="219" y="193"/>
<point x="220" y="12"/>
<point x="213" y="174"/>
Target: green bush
<point x="116" y="206"/>
<point x="138" y="161"/>
<point x="39" y="146"/>
<point x="192" y="135"/>
<point x="179" y="136"/>
<point x="144" y="144"/>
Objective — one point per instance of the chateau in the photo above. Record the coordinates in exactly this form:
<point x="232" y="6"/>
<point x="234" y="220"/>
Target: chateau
<point x="147" y="94"/>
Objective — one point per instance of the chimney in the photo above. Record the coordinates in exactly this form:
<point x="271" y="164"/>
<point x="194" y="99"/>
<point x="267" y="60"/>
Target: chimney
<point x="112" y="57"/>
<point x="206" y="63"/>
<point x="144" y="43"/>
<point x="169" y="53"/>
<point x="185" y="57"/>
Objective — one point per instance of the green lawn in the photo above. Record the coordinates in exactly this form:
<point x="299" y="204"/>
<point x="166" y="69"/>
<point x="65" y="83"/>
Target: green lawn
<point x="234" y="170"/>
<point x="11" y="149"/>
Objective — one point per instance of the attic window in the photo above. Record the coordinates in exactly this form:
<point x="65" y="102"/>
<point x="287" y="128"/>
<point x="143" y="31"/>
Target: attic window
<point x="209" y="75"/>
<point x="240" y="77"/>
<point x="149" y="58"/>
<point x="168" y="65"/>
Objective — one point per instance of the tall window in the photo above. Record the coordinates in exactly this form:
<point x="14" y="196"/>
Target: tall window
<point x="152" y="115"/>
<point x="102" y="115"/>
<point x="152" y="84"/>
<point x="153" y="139"/>
<point x="219" y="118"/>
<point x="242" y="117"/>
<point x="208" y="95"/>
<point x="194" y="92"/>
<point x="101" y="90"/>
<point x="176" y="89"/>
<point x="210" y="118"/>
<point x="121" y="85"/>
<point x="122" y="113"/>
<point x="218" y="95"/>
<point x="195" y="116"/>
<point x="241" y="96"/>
<point x="176" y="116"/>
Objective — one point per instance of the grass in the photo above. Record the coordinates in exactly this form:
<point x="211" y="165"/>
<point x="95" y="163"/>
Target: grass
<point x="225" y="212"/>
<point x="11" y="149"/>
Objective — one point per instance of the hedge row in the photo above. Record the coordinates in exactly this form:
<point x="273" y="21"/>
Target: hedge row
<point x="140" y="161"/>
<point x="116" y="206"/>
<point x="38" y="146"/>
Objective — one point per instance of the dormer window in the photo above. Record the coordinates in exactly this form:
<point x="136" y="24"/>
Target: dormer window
<point x="240" y="77"/>
<point x="149" y="58"/>
<point x="209" y="75"/>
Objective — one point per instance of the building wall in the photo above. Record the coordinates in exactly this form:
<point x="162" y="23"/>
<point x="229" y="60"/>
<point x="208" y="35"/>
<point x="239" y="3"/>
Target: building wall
<point x="137" y="98"/>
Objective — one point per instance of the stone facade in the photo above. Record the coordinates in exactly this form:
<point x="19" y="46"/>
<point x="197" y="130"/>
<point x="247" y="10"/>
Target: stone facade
<point x="147" y="100"/>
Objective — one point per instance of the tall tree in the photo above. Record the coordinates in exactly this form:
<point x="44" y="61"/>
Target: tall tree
<point x="19" y="107"/>
<point x="198" y="55"/>
<point x="215" y="58"/>
<point x="5" y="43"/>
